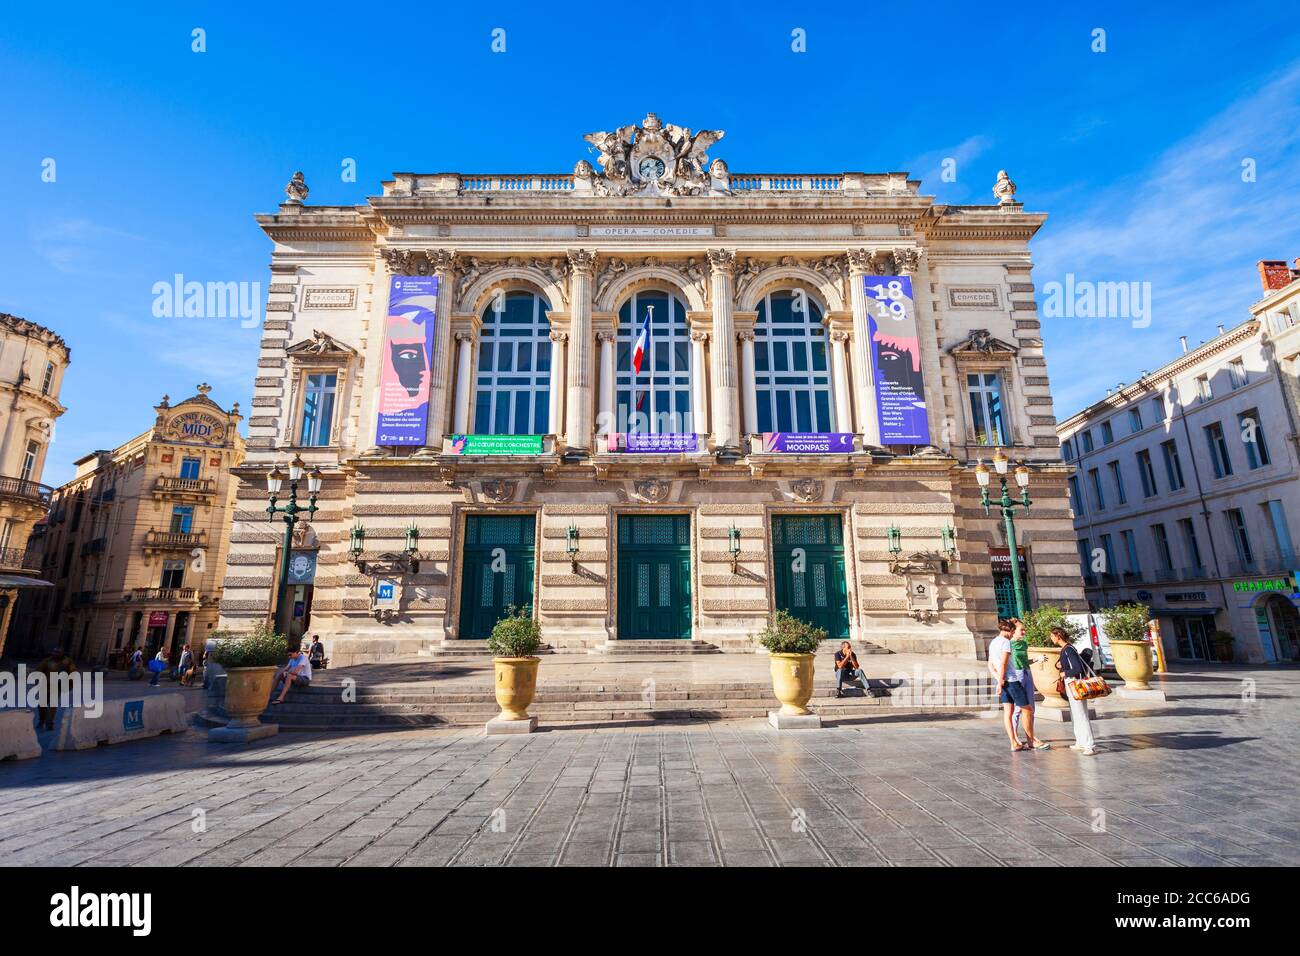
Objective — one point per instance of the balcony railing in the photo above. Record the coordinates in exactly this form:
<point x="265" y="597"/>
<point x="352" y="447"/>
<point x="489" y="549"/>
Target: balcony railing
<point x="24" y="490"/>
<point x="94" y="546"/>
<point x="174" y="540"/>
<point x="164" y="595"/>
<point x="16" y="559"/>
<point x="563" y="183"/>
<point x="1274" y="561"/>
<point x="82" y="598"/>
<point x="191" y="486"/>
<point x="1166" y="574"/>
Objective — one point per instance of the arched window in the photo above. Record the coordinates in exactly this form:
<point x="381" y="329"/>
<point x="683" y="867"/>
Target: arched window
<point x="514" y="367"/>
<point x="792" y="380"/>
<point x="658" y="401"/>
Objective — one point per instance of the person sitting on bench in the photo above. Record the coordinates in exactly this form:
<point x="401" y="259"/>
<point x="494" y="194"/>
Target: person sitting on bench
<point x="846" y="668"/>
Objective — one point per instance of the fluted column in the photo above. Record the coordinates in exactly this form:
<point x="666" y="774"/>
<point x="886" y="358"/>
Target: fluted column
<point x="607" y="413"/>
<point x="558" y="382"/>
<point x="699" y="384"/>
<point x="840" y="381"/>
<point x="443" y="262"/>
<point x="722" y="265"/>
<point x="860" y="266"/>
<point x="578" y="411"/>
<point x="748" y="384"/>
<point x="464" y="380"/>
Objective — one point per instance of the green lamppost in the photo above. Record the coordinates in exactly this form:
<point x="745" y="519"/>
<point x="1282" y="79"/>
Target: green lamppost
<point x="290" y="511"/>
<point x="1008" y="506"/>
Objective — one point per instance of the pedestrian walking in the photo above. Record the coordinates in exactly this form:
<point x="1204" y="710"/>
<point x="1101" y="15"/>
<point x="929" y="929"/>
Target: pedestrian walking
<point x="1072" y="667"/>
<point x="135" y="665"/>
<point x="157" y="666"/>
<point x="57" y="662"/>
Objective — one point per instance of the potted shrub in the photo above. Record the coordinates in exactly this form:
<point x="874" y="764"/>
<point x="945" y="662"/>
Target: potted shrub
<point x="250" y="662"/>
<point x="791" y="644"/>
<point x="514" y="642"/>
<point x="1126" y="629"/>
<point x="1043" y="652"/>
<point x="1223" y="644"/>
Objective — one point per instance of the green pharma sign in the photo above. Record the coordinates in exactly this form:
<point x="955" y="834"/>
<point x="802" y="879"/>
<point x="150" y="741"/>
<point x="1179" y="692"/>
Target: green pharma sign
<point x="1270" y="584"/>
<point x="496" y="444"/>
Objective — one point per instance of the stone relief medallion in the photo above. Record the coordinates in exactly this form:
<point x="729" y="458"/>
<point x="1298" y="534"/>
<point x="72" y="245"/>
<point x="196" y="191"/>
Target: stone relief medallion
<point x="807" y="489"/>
<point x="499" y="490"/>
<point x="652" y="490"/>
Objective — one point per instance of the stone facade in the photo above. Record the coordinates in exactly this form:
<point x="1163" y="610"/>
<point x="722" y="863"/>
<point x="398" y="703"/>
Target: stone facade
<point x="32" y="362"/>
<point x="1205" y="538"/>
<point x="658" y="219"/>
<point x="135" y="544"/>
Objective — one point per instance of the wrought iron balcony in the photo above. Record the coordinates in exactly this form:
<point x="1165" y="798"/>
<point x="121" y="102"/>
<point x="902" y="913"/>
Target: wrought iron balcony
<point x="94" y="546"/>
<point x="21" y="489"/>
<point x="1274" y="561"/>
<point x="1166" y="574"/>
<point x="16" y="559"/>
<point x="1194" y="574"/>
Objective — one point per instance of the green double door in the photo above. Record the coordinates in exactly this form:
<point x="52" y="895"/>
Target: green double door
<point x="808" y="571"/>
<point x="499" y="557"/>
<point x="654" y="576"/>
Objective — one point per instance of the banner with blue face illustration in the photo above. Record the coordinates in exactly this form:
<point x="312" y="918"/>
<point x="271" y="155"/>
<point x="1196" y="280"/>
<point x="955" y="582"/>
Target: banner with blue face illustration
<point x="403" y="414"/>
<point x="896" y="361"/>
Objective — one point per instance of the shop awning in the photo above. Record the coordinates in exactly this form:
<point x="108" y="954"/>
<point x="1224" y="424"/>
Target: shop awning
<point x="18" y="581"/>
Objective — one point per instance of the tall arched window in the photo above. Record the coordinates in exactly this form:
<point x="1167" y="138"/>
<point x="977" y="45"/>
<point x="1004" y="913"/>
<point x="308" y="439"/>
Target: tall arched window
<point x="514" y="367"/>
<point x="793" y="389"/>
<point x="658" y="401"/>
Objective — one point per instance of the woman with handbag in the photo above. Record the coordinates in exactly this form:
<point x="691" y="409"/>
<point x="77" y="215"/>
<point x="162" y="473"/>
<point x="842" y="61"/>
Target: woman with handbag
<point x="1072" y="668"/>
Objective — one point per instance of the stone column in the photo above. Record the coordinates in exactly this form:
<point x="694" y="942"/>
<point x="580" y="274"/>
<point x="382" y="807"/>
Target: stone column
<point x="722" y="265"/>
<point x="578" y="417"/>
<point x="860" y="265"/>
<point x="748" y="385"/>
<point x="464" y="380"/>
<point x="840" y="382"/>
<point x="557" y="384"/>
<point x="442" y="261"/>
<point x="699" y="384"/>
<point x="608" y="411"/>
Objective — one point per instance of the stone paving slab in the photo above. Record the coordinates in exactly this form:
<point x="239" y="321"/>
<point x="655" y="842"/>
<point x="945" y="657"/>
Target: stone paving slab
<point x="1208" y="778"/>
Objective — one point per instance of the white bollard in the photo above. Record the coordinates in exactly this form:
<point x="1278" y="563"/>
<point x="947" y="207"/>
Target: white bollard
<point x="121" y="720"/>
<point x="18" y="735"/>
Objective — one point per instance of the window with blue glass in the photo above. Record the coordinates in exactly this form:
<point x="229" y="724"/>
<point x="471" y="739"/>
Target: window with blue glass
<point x="513" y="385"/>
<point x="658" y="400"/>
<point x="987" y="418"/>
<point x="318" y="409"/>
<point x="182" y="519"/>
<point x="792" y="376"/>
<point x="1252" y="436"/>
<point x="190" y="467"/>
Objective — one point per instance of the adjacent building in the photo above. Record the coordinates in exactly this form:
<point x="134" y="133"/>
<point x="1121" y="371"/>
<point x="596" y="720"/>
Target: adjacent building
<point x="135" y="544"/>
<point x="32" y="362"/>
<point x="652" y="401"/>
<point x="1185" y="493"/>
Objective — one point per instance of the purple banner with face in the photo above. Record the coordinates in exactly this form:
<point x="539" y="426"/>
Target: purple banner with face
<point x="403" y="415"/>
<point x="896" y="361"/>
<point x="808" y="443"/>
<point x="672" y="442"/>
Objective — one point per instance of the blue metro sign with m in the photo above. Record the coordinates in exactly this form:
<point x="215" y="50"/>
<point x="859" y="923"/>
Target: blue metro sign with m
<point x="133" y="715"/>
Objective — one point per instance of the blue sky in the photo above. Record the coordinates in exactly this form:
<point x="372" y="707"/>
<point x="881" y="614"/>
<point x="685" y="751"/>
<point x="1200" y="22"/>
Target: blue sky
<point x="163" y="155"/>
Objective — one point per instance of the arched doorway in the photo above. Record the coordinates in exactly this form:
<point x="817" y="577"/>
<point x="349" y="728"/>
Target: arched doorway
<point x="1279" y="628"/>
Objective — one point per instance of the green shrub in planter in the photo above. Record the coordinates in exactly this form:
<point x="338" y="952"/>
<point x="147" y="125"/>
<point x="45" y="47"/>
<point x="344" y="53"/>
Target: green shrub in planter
<point x="1126" y="622"/>
<point x="786" y="634"/>
<point x="515" y="635"/>
<point x="261" y="647"/>
<point x="1040" y="621"/>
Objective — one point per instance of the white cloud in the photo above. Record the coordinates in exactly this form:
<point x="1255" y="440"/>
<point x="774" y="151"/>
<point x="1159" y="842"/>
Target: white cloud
<point x="79" y="246"/>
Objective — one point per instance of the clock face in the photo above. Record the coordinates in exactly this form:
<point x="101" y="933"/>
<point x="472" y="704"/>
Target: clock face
<point x="650" y="168"/>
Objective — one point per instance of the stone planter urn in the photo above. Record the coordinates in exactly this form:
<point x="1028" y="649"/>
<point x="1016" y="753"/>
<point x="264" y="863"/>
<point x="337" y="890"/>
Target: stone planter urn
<point x="792" y="681"/>
<point x="248" y="691"/>
<point x="516" y="685"/>
<point x="1133" y="662"/>
<point x="1045" y="675"/>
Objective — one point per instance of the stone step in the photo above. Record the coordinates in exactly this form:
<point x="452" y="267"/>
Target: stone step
<point x="448" y="650"/>
<point x="639" y="648"/>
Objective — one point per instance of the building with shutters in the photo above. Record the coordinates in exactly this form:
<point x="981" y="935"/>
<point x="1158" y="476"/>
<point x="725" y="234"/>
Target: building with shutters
<point x="649" y="400"/>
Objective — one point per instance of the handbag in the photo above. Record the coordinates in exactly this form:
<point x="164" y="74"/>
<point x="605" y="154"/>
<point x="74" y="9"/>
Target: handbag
<point x="1089" y="687"/>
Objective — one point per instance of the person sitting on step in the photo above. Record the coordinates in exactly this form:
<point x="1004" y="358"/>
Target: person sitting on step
<point x="296" y="673"/>
<point x="846" y="668"/>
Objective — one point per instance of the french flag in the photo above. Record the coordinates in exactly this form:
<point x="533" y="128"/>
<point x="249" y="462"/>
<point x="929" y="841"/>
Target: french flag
<point x="642" y="345"/>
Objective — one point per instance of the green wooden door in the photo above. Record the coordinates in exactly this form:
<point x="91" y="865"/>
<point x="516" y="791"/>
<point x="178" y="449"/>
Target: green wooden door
<point x="808" y="568"/>
<point x="654" y="576"/>
<point x="498" y="570"/>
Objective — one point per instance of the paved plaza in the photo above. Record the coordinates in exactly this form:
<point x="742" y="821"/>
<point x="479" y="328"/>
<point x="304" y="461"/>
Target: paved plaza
<point x="1208" y="778"/>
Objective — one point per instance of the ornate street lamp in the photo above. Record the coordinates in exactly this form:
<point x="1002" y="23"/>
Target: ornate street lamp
<point x="948" y="535"/>
<point x="571" y="539"/>
<point x="733" y="546"/>
<point x="895" y="540"/>
<point x="412" y="548"/>
<point x="1008" y="506"/>
<point x="290" y="511"/>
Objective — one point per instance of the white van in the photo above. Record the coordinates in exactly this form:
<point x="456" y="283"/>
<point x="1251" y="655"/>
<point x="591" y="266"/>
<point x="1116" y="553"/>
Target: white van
<point x="1094" y="636"/>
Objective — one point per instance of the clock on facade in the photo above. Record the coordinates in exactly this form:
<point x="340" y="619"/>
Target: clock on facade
<point x="651" y="168"/>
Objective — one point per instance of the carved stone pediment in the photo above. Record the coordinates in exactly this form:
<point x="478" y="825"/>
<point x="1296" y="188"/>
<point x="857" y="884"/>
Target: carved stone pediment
<point x="652" y="158"/>
<point x="321" y="346"/>
<point x="980" y="343"/>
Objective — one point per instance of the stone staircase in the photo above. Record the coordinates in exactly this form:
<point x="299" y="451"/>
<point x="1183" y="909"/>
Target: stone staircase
<point x="396" y="706"/>
<point x="654" y="648"/>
